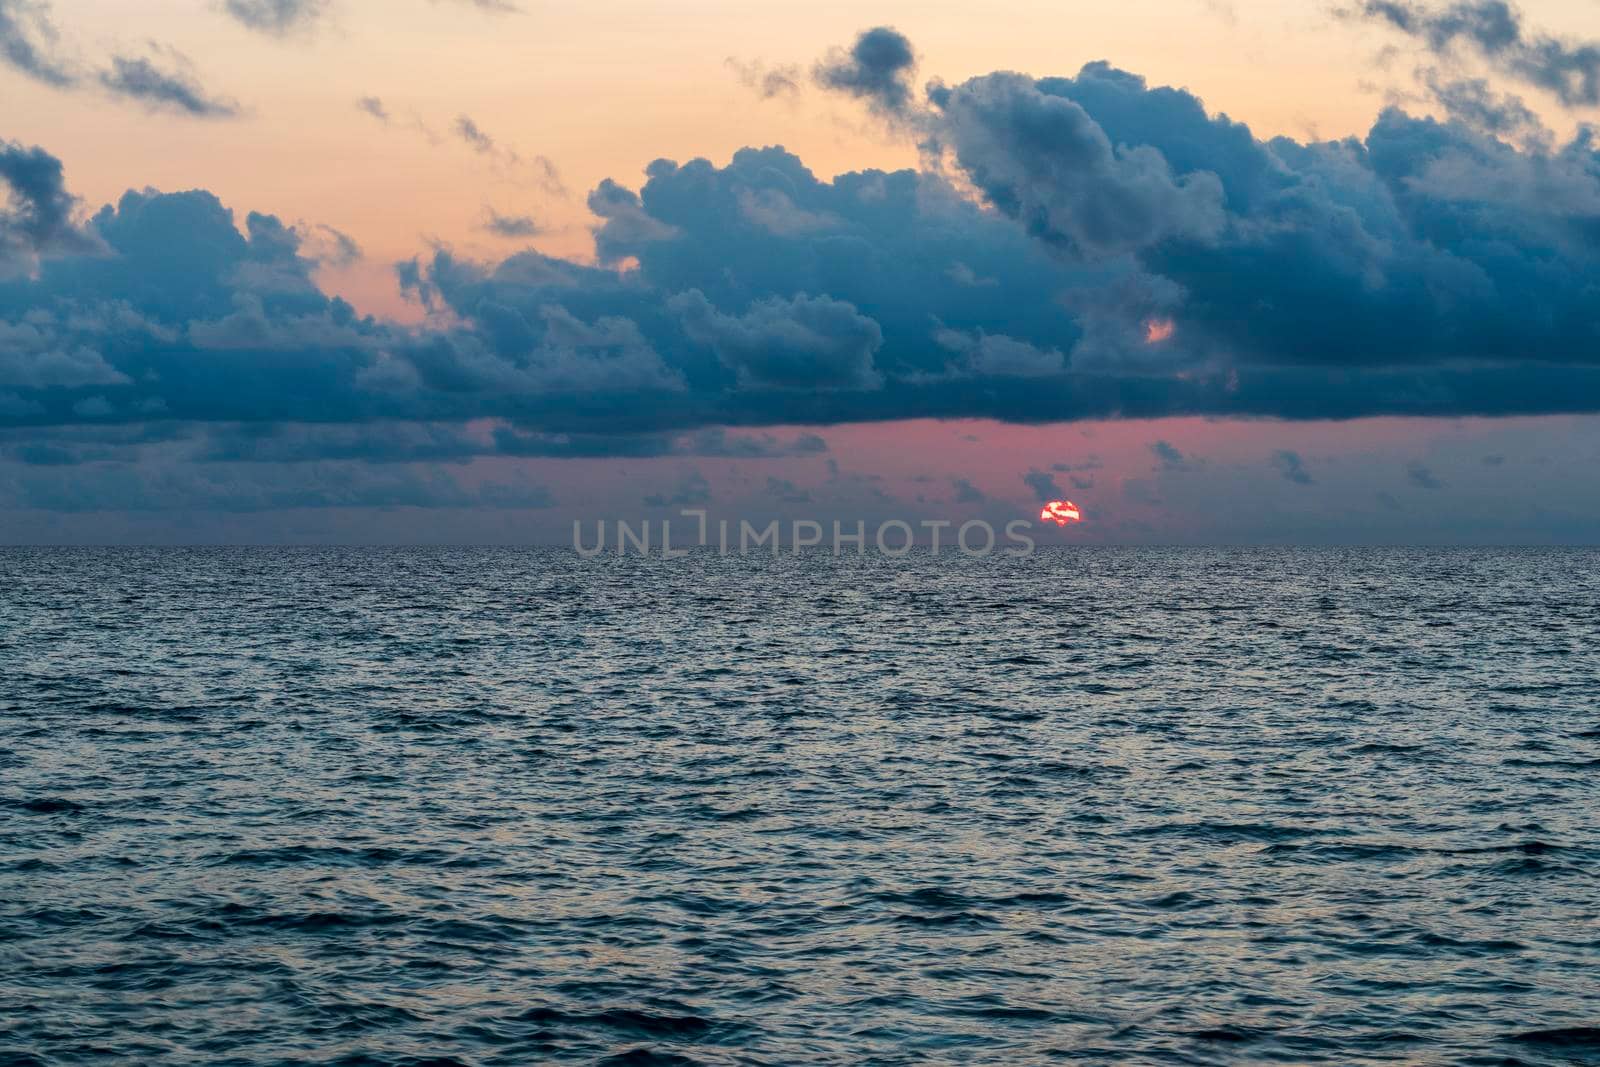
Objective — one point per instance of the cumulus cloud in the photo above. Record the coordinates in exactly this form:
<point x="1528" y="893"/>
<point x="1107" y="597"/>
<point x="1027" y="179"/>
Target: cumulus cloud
<point x="1135" y="255"/>
<point x="36" y="211"/>
<point x="1473" y="102"/>
<point x="987" y="355"/>
<point x="1041" y="158"/>
<point x="877" y="68"/>
<point x="800" y="343"/>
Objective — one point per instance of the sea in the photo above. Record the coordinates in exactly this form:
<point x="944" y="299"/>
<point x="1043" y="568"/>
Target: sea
<point x="455" y="806"/>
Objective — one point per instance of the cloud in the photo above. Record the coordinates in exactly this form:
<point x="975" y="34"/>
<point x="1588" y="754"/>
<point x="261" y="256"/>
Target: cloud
<point x="29" y="43"/>
<point x="1420" y="476"/>
<point x="469" y="131"/>
<point x="375" y="107"/>
<point x="511" y="226"/>
<point x="331" y="247"/>
<point x="276" y="17"/>
<point x="36" y="214"/>
<point x="799" y="343"/>
<point x="256" y="488"/>
<point x="988" y="355"/>
<point x="1171" y="458"/>
<point x="501" y="7"/>
<point x="1043" y="485"/>
<point x="966" y="492"/>
<point x="1292" y="467"/>
<point x="174" y="89"/>
<point x="692" y="491"/>
<point x="1494" y="31"/>
<point x="282" y="18"/>
<point x="767" y="82"/>
<point x="28" y="40"/>
<point x="543" y="172"/>
<point x="1472" y="102"/>
<point x="715" y="442"/>
<point x="1426" y="268"/>
<point x="786" y="491"/>
<point x="1041" y="158"/>
<point x="877" y="68"/>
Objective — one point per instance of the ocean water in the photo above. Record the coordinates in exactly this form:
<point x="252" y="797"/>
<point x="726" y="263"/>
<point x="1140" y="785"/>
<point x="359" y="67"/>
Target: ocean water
<point x="514" y="807"/>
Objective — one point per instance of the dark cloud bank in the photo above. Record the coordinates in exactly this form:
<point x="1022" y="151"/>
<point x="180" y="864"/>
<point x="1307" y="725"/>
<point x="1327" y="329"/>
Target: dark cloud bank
<point x="1427" y="269"/>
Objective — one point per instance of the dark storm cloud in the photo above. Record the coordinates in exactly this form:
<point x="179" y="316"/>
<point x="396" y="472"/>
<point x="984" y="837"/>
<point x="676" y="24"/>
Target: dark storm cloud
<point x="382" y="442"/>
<point x="803" y="343"/>
<point x="877" y="68"/>
<point x="1137" y="257"/>
<point x="28" y="42"/>
<point x="425" y="442"/>
<point x="173" y="88"/>
<point x="1040" y="157"/>
<point x="276" y="17"/>
<point x="1495" y="31"/>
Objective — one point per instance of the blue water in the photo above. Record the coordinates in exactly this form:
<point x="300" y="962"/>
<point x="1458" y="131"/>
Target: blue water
<point x="512" y="807"/>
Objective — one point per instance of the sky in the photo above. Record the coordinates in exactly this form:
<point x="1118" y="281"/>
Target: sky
<point x="467" y="270"/>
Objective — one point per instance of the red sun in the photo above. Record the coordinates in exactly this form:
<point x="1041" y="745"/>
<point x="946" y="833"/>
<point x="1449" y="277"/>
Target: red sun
<point x="1061" y="512"/>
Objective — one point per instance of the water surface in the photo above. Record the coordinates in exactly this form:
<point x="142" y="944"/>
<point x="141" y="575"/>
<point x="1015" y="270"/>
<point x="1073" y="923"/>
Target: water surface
<point x="510" y="807"/>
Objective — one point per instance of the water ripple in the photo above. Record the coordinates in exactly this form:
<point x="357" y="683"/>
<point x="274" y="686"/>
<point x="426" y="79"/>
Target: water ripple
<point x="485" y="807"/>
